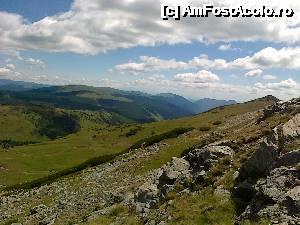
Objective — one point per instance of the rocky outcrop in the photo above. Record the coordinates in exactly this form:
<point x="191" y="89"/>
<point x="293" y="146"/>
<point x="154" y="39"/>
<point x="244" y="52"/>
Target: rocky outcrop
<point x="263" y="159"/>
<point x="204" y="158"/>
<point x="146" y="197"/>
<point x="178" y="170"/>
<point x="181" y="171"/>
<point x="269" y="182"/>
<point x="277" y="197"/>
<point x="288" y="159"/>
<point x="279" y="107"/>
<point x="291" y="129"/>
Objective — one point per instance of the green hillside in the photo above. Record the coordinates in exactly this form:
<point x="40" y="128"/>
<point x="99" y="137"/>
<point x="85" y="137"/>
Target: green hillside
<point x="26" y="163"/>
<point x="134" y="106"/>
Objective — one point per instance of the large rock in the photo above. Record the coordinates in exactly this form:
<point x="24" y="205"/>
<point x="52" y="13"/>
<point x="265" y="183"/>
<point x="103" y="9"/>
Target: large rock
<point x="263" y="159"/>
<point x="292" y="201"/>
<point x="178" y="168"/>
<point x="147" y="193"/>
<point x="291" y="129"/>
<point x="146" y="197"/>
<point x="204" y="158"/>
<point x="280" y="107"/>
<point x="268" y="182"/>
<point x="277" y="196"/>
<point x="289" y="159"/>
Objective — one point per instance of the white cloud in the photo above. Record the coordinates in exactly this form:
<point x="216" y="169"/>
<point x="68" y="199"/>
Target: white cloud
<point x="286" y="58"/>
<point x="5" y="71"/>
<point x="96" y="26"/>
<point x="268" y="58"/>
<point x="225" y="47"/>
<point x="285" y="89"/>
<point x="204" y="62"/>
<point x="269" y="77"/>
<point x="35" y="62"/>
<point x="228" y="47"/>
<point x="148" y="64"/>
<point x="10" y="66"/>
<point x="17" y="55"/>
<point x="132" y="67"/>
<point x="282" y="85"/>
<point x="254" y="73"/>
<point x="202" y="76"/>
<point x="8" y="70"/>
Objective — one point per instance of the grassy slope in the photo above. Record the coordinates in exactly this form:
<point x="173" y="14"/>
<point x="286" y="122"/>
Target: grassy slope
<point x="16" y="125"/>
<point x="30" y="162"/>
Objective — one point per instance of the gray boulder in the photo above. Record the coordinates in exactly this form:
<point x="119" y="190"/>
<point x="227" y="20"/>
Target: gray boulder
<point x="277" y="183"/>
<point x="263" y="159"/>
<point x="292" y="200"/>
<point x="148" y="194"/>
<point x="277" y="196"/>
<point x="178" y="168"/>
<point x="204" y="158"/>
<point x="289" y="159"/>
<point x="279" y="107"/>
<point x="291" y="129"/>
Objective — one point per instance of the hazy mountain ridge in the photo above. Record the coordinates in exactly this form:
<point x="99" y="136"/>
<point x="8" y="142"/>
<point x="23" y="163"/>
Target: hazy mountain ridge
<point x="10" y="85"/>
<point x="207" y="103"/>
<point x="136" y="106"/>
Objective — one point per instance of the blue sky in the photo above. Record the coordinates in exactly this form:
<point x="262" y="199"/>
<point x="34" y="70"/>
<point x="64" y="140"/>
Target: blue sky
<point x="128" y="46"/>
<point x="35" y="10"/>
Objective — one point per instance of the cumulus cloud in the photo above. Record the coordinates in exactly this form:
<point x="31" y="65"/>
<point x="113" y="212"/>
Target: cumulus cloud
<point x="5" y="71"/>
<point x="150" y="64"/>
<point x="228" y="47"/>
<point x="8" y="70"/>
<point x="17" y="55"/>
<point x="285" y="89"/>
<point x="267" y="58"/>
<point x="254" y="73"/>
<point x="288" y="84"/>
<point x="10" y="66"/>
<point x="286" y="58"/>
<point x="204" y="62"/>
<point x="225" y="47"/>
<point x="202" y="76"/>
<point x="132" y="67"/>
<point x="96" y="26"/>
<point x="269" y="77"/>
<point x="35" y="62"/>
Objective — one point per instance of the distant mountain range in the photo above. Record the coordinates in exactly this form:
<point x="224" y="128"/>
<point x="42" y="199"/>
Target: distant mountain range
<point x="195" y="107"/>
<point x="207" y="104"/>
<point x="11" y="85"/>
<point x="134" y="106"/>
